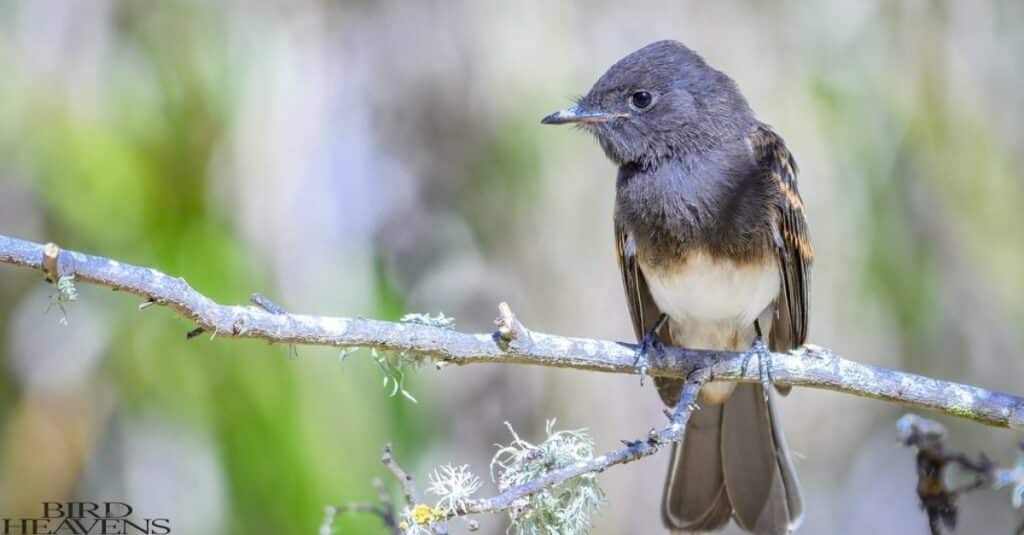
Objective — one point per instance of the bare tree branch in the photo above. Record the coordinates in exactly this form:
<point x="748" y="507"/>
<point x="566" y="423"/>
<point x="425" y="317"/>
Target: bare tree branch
<point x="809" y="366"/>
<point x="939" y="499"/>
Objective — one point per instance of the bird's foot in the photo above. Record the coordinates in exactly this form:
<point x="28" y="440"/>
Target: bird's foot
<point x="650" y="343"/>
<point x="760" y="350"/>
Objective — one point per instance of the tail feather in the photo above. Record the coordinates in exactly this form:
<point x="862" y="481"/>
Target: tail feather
<point x="700" y="502"/>
<point x="794" y="498"/>
<point x="755" y="466"/>
<point x="733" y="461"/>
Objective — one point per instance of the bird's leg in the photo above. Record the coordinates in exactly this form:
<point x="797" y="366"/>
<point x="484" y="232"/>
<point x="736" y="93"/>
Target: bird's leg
<point x="764" y="359"/>
<point x="650" y="341"/>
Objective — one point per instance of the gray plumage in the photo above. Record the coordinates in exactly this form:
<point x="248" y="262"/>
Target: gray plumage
<point x="710" y="230"/>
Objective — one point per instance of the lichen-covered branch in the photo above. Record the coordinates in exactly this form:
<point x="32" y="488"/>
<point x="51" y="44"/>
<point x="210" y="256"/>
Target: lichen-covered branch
<point x="528" y="476"/>
<point x="809" y="366"/>
<point x="673" y="432"/>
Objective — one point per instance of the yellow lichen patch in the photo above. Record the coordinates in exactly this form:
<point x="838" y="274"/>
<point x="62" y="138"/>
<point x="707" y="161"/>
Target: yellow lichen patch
<point x="422" y="514"/>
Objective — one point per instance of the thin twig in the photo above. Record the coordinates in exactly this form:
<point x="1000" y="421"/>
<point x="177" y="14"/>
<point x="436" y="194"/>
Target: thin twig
<point x="383" y="496"/>
<point x="386" y="516"/>
<point x="362" y="508"/>
<point x="408" y="487"/>
<point x="194" y="333"/>
<point x="266" y="304"/>
<point x="384" y="510"/>
<point x="809" y="366"/>
<point x="934" y="455"/>
<point x="633" y="451"/>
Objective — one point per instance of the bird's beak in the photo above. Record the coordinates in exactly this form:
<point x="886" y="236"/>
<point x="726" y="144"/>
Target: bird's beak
<point x="576" y="114"/>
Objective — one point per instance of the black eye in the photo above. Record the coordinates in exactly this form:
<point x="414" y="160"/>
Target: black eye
<point x="640" y="100"/>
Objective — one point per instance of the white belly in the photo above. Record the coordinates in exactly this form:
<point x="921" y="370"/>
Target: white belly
<point x="714" y="303"/>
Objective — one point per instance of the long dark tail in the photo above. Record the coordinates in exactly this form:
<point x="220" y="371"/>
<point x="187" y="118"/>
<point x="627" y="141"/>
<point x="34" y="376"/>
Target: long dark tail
<point x="733" y="461"/>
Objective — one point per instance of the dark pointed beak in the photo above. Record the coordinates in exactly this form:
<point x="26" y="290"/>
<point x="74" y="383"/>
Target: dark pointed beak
<point x="576" y="114"/>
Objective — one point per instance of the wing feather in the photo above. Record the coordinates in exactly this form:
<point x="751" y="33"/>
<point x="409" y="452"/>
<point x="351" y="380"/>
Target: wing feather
<point x="642" y="309"/>
<point x="789" y="330"/>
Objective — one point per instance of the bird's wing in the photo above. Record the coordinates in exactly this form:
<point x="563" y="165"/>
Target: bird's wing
<point x="642" y="308"/>
<point x="793" y="246"/>
<point x="789" y="330"/>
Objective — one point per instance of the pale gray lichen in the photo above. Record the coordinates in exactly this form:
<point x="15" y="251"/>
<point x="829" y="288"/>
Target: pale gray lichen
<point x="566" y="508"/>
<point x="1013" y="478"/>
<point x="66" y="293"/>
<point x="454" y="486"/>
<point x="394" y="365"/>
<point x="961" y="400"/>
<point x="1017" y="418"/>
<point x="440" y="320"/>
<point x="858" y="374"/>
<point x="912" y="425"/>
<point x="345" y="353"/>
<point x="66" y="288"/>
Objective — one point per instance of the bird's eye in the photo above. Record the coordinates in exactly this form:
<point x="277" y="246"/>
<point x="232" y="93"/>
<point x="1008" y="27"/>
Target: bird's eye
<point x="640" y="100"/>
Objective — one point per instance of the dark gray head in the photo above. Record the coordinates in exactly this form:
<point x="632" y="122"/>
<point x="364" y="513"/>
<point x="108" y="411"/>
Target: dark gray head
<point x="658" y="102"/>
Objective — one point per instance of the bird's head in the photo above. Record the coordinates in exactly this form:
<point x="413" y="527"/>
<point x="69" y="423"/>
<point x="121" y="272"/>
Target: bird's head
<point x="660" y="101"/>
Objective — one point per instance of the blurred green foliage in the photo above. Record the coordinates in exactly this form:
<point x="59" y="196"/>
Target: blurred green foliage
<point x="293" y="435"/>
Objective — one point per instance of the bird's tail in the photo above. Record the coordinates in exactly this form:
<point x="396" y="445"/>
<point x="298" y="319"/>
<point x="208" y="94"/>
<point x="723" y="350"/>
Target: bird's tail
<point x="733" y="461"/>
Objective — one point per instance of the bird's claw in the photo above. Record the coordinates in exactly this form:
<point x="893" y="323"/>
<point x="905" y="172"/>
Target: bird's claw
<point x="760" y="350"/>
<point x="650" y="342"/>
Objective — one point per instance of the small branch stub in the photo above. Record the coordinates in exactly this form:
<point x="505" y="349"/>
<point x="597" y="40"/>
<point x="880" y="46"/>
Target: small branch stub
<point x="266" y="304"/>
<point x="510" y="329"/>
<point x="51" y="254"/>
<point x="506" y="322"/>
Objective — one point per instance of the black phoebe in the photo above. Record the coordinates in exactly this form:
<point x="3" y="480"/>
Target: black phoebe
<point x="711" y="234"/>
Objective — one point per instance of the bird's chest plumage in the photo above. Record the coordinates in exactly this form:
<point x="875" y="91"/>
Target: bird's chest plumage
<point x="704" y="288"/>
<point x="713" y="302"/>
<point x="702" y="239"/>
<point x="723" y="208"/>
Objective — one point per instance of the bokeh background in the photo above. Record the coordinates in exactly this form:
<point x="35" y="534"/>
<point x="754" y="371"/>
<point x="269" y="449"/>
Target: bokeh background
<point x="377" y="158"/>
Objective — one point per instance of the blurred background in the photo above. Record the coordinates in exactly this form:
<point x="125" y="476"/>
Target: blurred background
<point x="377" y="158"/>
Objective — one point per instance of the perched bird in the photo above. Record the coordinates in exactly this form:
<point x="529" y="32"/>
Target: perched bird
<point x="713" y="247"/>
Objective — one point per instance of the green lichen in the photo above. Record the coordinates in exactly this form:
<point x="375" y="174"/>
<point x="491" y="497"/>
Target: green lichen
<point x="962" y="411"/>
